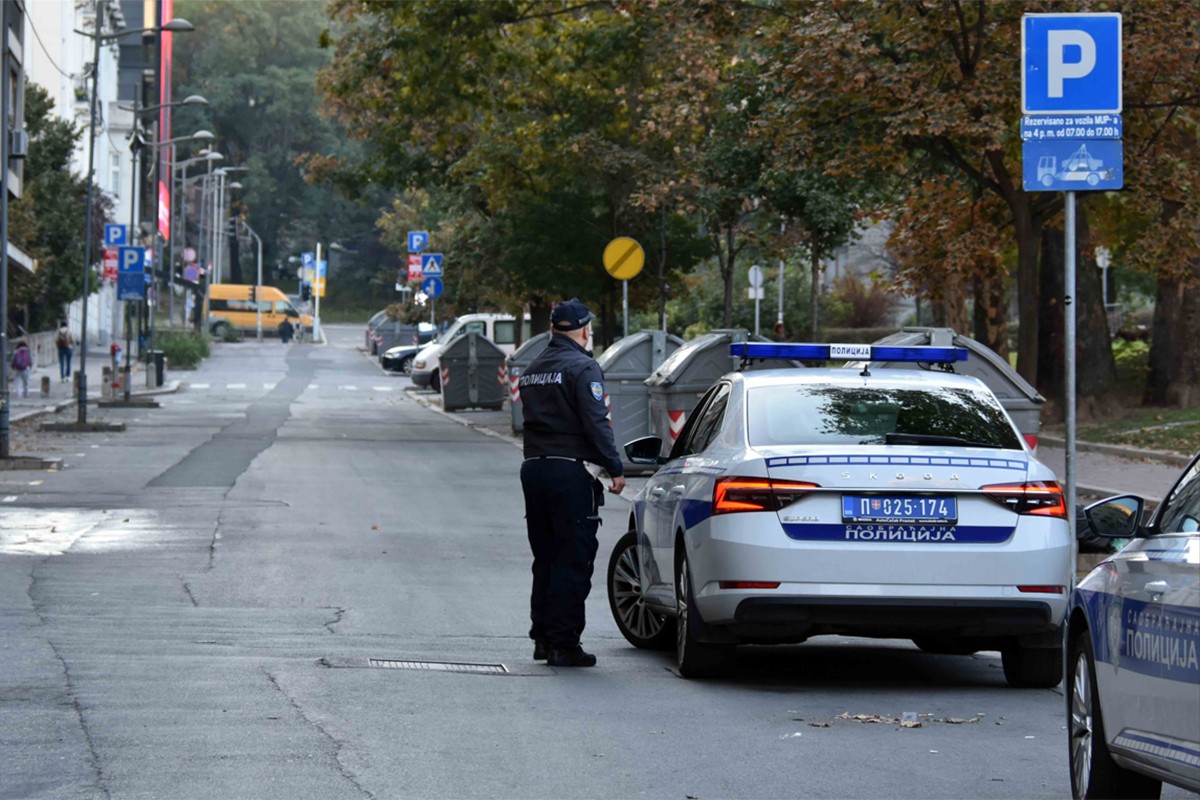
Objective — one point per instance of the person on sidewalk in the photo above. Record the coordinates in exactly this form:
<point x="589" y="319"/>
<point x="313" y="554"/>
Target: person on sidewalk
<point x="22" y="363"/>
<point x="65" y="343"/>
<point x="286" y="329"/>
<point x="567" y="442"/>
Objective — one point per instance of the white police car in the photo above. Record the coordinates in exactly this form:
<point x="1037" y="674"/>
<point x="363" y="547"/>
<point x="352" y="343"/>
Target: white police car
<point x="800" y="502"/>
<point x="1133" y="659"/>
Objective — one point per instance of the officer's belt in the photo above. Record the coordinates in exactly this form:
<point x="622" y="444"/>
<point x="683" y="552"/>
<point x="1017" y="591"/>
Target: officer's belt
<point x="560" y="458"/>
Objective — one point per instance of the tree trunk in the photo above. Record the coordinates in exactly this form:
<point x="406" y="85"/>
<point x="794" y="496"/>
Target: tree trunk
<point x="1049" y="375"/>
<point x="662" y="269"/>
<point x="1028" y="234"/>
<point x="539" y="316"/>
<point x="1174" y="374"/>
<point x="991" y="315"/>
<point x="726" y="262"/>
<point x="950" y="309"/>
<point x="814" y="292"/>
<point x="1096" y="372"/>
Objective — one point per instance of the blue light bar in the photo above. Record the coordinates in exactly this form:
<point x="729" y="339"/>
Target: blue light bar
<point x="848" y="352"/>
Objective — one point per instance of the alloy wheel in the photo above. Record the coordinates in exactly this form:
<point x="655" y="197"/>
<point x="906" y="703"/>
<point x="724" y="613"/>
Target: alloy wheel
<point x="1081" y="723"/>
<point x="629" y="602"/>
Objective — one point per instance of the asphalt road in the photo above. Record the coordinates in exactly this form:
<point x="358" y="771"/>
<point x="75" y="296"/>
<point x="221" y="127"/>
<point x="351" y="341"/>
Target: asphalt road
<point x="213" y="604"/>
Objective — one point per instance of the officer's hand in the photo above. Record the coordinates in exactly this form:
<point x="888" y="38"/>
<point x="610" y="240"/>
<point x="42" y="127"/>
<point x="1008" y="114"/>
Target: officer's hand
<point x="618" y="485"/>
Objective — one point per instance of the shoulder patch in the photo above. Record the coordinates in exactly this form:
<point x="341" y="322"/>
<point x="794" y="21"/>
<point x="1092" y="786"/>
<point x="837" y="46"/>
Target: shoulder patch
<point x="597" y="390"/>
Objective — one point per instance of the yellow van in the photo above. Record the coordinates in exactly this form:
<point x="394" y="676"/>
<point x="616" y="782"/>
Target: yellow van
<point x="235" y="305"/>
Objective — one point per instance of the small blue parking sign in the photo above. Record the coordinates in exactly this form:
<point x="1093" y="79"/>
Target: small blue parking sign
<point x="131" y="285"/>
<point x="131" y="259"/>
<point x="1071" y="63"/>
<point x="1070" y="166"/>
<point x="417" y="240"/>
<point x="114" y="235"/>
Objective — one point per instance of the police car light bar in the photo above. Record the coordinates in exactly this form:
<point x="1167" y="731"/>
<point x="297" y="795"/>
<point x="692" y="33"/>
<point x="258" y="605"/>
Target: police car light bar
<point x="848" y="352"/>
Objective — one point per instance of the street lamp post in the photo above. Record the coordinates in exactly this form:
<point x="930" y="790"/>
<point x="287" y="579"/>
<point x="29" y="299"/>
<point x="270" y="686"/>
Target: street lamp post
<point x="258" y="281"/>
<point x="98" y="38"/>
<point x="207" y="156"/>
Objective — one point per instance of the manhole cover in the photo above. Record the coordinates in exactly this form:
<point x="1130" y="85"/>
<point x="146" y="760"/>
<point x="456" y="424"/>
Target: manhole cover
<point x="438" y="666"/>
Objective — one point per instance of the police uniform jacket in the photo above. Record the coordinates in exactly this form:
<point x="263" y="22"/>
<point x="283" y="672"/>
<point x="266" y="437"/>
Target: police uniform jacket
<point x="562" y="395"/>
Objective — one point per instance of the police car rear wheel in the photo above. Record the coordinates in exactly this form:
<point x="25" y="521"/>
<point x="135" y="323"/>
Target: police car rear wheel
<point x="1093" y="772"/>
<point x="694" y="658"/>
<point x="640" y="625"/>
<point x="435" y="381"/>
<point x="1031" y="667"/>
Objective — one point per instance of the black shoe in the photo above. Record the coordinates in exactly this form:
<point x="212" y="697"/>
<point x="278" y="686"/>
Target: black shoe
<point x="540" y="649"/>
<point x="574" y="657"/>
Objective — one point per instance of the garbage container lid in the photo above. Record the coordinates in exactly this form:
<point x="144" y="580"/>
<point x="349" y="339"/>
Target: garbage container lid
<point x="530" y="349"/>
<point x="678" y="363"/>
<point x="622" y="355"/>
<point x="984" y="363"/>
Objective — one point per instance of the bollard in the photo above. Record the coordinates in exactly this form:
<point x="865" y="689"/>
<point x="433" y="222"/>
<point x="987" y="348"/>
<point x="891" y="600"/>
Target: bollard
<point x="106" y="382"/>
<point x="45" y="386"/>
<point x="150" y="376"/>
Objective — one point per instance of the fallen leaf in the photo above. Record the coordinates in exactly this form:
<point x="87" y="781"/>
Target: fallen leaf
<point x="374" y="527"/>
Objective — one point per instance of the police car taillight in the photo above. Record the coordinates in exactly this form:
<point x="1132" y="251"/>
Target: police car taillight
<point x="1037" y="498"/>
<point x="731" y="495"/>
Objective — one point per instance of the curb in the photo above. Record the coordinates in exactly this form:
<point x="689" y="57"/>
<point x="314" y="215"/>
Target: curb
<point x="1171" y="459"/>
<point x="170" y="387"/>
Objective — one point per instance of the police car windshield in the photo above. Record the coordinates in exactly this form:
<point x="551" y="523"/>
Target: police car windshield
<point x="822" y="414"/>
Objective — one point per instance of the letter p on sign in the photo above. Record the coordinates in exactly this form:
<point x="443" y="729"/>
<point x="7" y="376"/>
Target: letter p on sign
<point x="1071" y="63"/>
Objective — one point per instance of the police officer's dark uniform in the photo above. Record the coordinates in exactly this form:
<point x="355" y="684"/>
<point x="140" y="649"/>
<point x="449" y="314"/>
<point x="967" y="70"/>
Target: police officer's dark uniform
<point x="562" y="393"/>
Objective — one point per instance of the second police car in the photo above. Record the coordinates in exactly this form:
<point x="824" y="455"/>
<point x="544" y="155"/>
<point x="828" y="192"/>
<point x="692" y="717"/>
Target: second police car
<point x="801" y="502"/>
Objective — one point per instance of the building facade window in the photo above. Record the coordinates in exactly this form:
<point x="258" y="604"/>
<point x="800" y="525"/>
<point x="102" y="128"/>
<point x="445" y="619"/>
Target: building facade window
<point x="114" y="173"/>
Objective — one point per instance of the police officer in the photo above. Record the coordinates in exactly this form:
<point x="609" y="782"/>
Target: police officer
<point x="566" y="430"/>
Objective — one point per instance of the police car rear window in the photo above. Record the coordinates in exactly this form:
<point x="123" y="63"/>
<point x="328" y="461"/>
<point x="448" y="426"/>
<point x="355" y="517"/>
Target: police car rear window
<point x="787" y="415"/>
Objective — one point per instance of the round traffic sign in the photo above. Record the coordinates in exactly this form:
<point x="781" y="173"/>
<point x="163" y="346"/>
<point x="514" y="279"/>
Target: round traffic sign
<point x="623" y="258"/>
<point x="191" y="273"/>
<point x="756" y="276"/>
<point x="432" y="286"/>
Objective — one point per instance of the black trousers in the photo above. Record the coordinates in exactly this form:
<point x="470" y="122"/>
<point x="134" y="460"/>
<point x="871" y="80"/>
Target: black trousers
<point x="562" y="515"/>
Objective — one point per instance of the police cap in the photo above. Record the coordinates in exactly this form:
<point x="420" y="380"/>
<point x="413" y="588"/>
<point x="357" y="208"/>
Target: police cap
<point x="570" y="315"/>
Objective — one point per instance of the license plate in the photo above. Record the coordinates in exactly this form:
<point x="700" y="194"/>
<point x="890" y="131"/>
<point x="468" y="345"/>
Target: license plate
<point x="899" y="508"/>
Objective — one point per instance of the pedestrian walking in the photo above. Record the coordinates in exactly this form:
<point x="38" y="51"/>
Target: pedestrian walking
<point x="64" y="341"/>
<point x="286" y="329"/>
<point x="568" y="443"/>
<point x="22" y="363"/>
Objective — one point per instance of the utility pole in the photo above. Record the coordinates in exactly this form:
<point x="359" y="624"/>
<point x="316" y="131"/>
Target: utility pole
<point x="4" y="394"/>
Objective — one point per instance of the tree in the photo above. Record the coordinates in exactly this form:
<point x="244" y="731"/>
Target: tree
<point x="48" y="221"/>
<point x="930" y="89"/>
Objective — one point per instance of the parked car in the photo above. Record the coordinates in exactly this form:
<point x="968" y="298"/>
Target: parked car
<point x="1133" y="638"/>
<point x="501" y="329"/>
<point x="890" y="503"/>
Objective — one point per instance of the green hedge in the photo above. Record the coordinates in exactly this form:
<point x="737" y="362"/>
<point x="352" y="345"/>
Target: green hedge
<point x="183" y="349"/>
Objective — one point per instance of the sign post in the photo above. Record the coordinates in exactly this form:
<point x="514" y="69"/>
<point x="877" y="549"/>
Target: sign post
<point x="431" y="281"/>
<point x="756" y="291"/>
<point x="624" y="259"/>
<point x="1071" y="96"/>
<point x="131" y="285"/>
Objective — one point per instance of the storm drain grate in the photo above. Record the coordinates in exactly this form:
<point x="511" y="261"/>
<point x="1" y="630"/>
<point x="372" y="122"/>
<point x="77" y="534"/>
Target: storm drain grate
<point x="438" y="666"/>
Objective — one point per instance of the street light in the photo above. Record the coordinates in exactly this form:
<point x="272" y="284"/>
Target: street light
<point x="208" y="156"/>
<point x="258" y="282"/>
<point x="173" y="26"/>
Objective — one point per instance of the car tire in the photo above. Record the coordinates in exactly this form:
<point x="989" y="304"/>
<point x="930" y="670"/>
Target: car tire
<point x="641" y="626"/>
<point x="1094" y="774"/>
<point x="695" y="659"/>
<point x="435" y="381"/>
<point x="406" y="366"/>
<point x="219" y="329"/>
<point x="945" y="647"/>
<point x="1032" y="667"/>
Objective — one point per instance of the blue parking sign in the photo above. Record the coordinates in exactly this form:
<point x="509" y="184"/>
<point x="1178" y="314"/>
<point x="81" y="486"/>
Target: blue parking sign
<point x="131" y="285"/>
<point x="131" y="260"/>
<point x="114" y="235"/>
<point x="417" y="241"/>
<point x="1071" y="63"/>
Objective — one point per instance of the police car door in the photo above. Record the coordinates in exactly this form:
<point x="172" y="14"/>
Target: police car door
<point x="661" y="502"/>
<point x="1165" y="645"/>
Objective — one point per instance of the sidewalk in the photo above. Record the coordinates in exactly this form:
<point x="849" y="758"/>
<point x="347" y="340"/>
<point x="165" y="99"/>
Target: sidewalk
<point x="1104" y="474"/>
<point x="63" y="393"/>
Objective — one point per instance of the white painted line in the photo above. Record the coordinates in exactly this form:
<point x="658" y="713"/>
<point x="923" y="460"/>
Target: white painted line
<point x="269" y="386"/>
<point x="382" y="388"/>
<point x="36" y="483"/>
<point x="199" y="385"/>
<point x="12" y="498"/>
<point x="235" y="386"/>
<point x="347" y="388"/>
<point x="95" y="447"/>
<point x="81" y="455"/>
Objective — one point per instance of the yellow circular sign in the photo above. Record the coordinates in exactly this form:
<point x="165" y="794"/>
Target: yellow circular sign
<point x="623" y="258"/>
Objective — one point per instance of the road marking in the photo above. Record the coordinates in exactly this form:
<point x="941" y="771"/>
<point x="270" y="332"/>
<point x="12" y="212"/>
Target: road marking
<point x="235" y="386"/>
<point x="348" y="388"/>
<point x="199" y="385"/>
<point x="36" y="483"/>
<point x="269" y="386"/>
<point x="382" y="388"/>
<point x="81" y="455"/>
<point x="95" y="447"/>
<point x="12" y="498"/>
